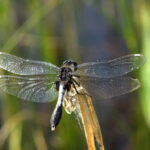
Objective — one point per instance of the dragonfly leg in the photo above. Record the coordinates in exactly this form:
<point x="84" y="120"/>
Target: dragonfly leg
<point x="76" y="82"/>
<point x="75" y="86"/>
<point x="77" y="90"/>
<point x="76" y="76"/>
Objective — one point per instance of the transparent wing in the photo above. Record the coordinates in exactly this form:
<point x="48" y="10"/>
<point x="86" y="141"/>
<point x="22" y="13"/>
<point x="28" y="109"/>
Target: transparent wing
<point x="112" y="68"/>
<point x="105" y="88"/>
<point x="38" y="89"/>
<point x="20" y="66"/>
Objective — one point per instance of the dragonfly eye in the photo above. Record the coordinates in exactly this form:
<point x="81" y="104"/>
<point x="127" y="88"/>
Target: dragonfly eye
<point x="66" y="62"/>
<point x="69" y="62"/>
<point x="75" y="66"/>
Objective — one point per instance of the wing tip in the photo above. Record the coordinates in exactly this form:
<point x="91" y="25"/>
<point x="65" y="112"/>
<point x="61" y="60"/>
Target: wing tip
<point x="142" y="57"/>
<point x="138" y="84"/>
<point x="1" y="52"/>
<point x="139" y="60"/>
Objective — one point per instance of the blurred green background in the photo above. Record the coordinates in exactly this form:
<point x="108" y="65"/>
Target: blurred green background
<point x="56" y="30"/>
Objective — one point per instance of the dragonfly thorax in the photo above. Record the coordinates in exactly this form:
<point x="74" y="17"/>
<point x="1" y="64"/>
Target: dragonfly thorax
<point x="65" y="74"/>
<point x="65" y="77"/>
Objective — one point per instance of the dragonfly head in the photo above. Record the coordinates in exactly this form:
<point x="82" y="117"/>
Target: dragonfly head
<point x="65" y="72"/>
<point x="71" y="64"/>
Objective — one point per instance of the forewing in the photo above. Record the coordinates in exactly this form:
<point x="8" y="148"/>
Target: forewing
<point x="38" y="89"/>
<point x="21" y="66"/>
<point x="107" y="88"/>
<point x="113" y="68"/>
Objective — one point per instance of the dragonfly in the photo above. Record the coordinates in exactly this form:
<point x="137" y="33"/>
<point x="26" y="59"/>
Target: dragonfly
<point x="40" y="81"/>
